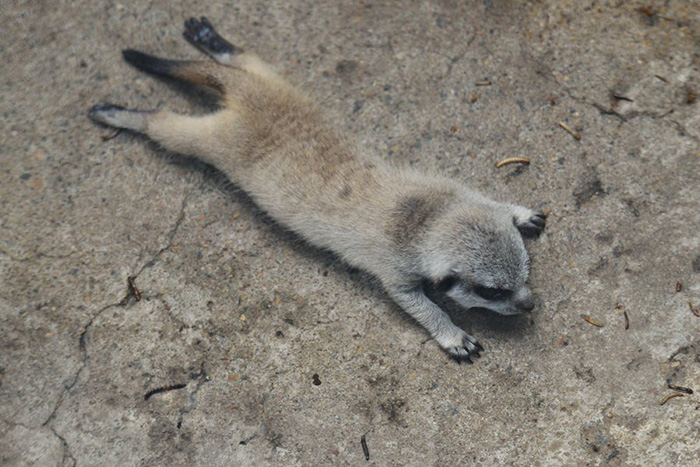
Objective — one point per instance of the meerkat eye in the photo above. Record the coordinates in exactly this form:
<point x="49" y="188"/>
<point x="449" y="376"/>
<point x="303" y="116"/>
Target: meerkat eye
<point x="447" y="283"/>
<point x="489" y="293"/>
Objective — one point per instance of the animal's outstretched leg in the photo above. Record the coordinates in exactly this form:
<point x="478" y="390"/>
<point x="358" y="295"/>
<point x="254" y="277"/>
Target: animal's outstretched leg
<point x="460" y="345"/>
<point x="201" y="34"/>
<point x="184" y="134"/>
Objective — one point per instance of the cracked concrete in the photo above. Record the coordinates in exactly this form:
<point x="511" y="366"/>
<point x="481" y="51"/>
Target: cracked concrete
<point x="244" y="315"/>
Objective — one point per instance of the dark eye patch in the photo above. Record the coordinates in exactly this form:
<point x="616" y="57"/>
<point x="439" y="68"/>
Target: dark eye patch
<point x="489" y="293"/>
<point x="447" y="283"/>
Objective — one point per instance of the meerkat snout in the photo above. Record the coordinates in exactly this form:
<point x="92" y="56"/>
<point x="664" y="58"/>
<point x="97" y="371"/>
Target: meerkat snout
<point x="482" y="262"/>
<point x="527" y="306"/>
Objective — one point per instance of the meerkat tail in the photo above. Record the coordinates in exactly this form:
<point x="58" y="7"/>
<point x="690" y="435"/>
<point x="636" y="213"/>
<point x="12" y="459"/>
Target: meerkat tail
<point x="195" y="72"/>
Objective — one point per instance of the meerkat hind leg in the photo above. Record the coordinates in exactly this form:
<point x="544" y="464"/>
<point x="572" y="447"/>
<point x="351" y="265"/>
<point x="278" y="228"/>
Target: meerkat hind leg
<point x="202" y="35"/>
<point x="185" y="134"/>
<point x="119" y="117"/>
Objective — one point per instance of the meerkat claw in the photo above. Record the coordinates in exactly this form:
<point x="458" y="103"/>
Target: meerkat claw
<point x="461" y="360"/>
<point x="467" y="351"/>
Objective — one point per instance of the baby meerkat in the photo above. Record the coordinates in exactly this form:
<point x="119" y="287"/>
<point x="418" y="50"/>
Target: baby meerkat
<point x="404" y="227"/>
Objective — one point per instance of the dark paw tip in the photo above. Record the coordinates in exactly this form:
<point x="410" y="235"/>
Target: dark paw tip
<point x="103" y="107"/>
<point x="530" y="232"/>
<point x="538" y="222"/>
<point x="533" y="227"/>
<point x="462" y="358"/>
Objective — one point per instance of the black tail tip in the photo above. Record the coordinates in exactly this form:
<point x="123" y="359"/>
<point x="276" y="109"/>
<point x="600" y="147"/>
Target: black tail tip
<point x="136" y="58"/>
<point x="145" y="62"/>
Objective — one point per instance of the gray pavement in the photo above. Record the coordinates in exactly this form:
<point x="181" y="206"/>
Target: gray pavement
<point x="245" y="314"/>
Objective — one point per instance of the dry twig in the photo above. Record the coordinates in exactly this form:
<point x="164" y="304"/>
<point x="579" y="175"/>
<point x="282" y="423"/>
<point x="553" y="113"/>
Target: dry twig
<point x="570" y="130"/>
<point x="513" y="160"/>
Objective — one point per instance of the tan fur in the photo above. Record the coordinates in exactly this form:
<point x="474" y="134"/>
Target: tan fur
<point x="402" y="226"/>
<point x="271" y="141"/>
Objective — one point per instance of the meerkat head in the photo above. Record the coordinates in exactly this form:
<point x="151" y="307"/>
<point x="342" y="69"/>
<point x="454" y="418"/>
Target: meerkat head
<point x="477" y="257"/>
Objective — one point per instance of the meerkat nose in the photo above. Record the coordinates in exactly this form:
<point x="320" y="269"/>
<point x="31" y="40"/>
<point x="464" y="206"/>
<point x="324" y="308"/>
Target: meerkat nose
<point x="526" y="305"/>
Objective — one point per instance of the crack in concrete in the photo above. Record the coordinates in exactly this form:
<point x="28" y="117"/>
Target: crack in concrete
<point x="457" y="58"/>
<point x="12" y="423"/>
<point x="612" y="112"/>
<point x="422" y="346"/>
<point x="35" y="255"/>
<point x="171" y="237"/>
<point x="66" y="449"/>
<point x="168" y="310"/>
<point x="684" y="132"/>
<point x="201" y="379"/>
<point x="599" y="107"/>
<point x="633" y="115"/>
<point x="82" y="341"/>
<point x="85" y="357"/>
<point x="245" y="441"/>
<point x="64" y="445"/>
<point x="548" y="75"/>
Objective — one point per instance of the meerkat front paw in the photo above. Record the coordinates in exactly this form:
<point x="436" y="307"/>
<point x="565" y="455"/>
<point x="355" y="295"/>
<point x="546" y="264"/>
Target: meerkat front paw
<point x="529" y="223"/>
<point x="461" y="346"/>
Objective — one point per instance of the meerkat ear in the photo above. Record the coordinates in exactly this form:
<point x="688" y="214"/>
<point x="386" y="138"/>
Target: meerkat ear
<point x="532" y="226"/>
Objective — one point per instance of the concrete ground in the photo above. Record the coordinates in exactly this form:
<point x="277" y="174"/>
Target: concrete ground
<point x="245" y="315"/>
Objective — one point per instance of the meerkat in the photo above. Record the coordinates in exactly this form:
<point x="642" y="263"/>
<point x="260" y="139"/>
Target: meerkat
<point x="404" y="227"/>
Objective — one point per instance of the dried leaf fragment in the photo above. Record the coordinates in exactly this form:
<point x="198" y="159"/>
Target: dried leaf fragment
<point x="590" y="320"/>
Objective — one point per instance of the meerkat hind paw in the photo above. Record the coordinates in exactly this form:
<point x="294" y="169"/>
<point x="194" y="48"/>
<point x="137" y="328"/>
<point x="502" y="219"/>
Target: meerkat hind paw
<point x="118" y="117"/>
<point x="202" y="34"/>
<point x="104" y="113"/>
